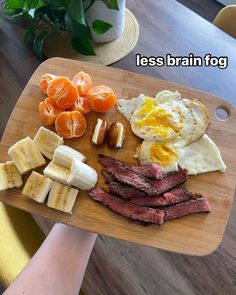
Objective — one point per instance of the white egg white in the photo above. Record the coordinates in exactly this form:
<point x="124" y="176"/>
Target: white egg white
<point x="201" y="156"/>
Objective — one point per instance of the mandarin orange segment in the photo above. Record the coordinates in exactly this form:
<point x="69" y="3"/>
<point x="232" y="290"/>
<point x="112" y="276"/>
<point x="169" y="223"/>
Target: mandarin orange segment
<point x="82" y="105"/>
<point x="102" y="98"/>
<point x="48" y="111"/>
<point x="63" y="91"/>
<point x="83" y="82"/>
<point x="45" y="81"/>
<point x="70" y="124"/>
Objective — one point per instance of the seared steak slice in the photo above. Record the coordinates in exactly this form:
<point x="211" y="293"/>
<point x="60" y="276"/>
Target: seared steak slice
<point x="127" y="209"/>
<point x="129" y="177"/>
<point x="198" y="205"/>
<point x="147" y="170"/>
<point x="140" y="198"/>
<point x="151" y="187"/>
<point x="126" y="191"/>
<point x="169" y="181"/>
<point x="168" y="198"/>
<point x="108" y="177"/>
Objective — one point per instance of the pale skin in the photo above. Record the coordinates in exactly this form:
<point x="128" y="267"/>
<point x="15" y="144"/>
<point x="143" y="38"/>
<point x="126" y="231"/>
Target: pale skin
<point x="59" y="265"/>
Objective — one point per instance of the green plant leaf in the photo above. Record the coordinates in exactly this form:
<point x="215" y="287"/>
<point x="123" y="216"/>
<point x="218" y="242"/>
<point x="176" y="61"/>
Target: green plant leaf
<point x="76" y="11"/>
<point x="57" y="4"/>
<point x="78" y="30"/>
<point x="38" y="43"/>
<point x="112" y="4"/>
<point x="82" y="46"/>
<point x="101" y="27"/>
<point x="10" y="12"/>
<point x="14" y="4"/>
<point x="27" y="35"/>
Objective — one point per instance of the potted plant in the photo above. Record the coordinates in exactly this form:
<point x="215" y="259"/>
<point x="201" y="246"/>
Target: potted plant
<point x="82" y="20"/>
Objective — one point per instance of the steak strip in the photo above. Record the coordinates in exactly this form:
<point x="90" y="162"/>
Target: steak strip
<point x="108" y="177"/>
<point x="151" y="187"/>
<point x="147" y="170"/>
<point x="127" y="209"/>
<point x="198" y="205"/>
<point x="140" y="198"/>
<point x="126" y="191"/>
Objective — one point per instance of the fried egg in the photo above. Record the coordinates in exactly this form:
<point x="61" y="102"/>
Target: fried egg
<point x="154" y="122"/>
<point x="164" y="154"/>
<point x="166" y="118"/>
<point x="198" y="157"/>
<point x="173" y="132"/>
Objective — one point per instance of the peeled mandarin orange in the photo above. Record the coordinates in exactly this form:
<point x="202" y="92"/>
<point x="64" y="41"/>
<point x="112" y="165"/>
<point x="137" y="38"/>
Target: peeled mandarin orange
<point x="83" y="82"/>
<point x="82" y="105"/>
<point x="45" y="81"/>
<point x="63" y="91"/>
<point x="48" y="111"/>
<point x="70" y="124"/>
<point x="102" y="98"/>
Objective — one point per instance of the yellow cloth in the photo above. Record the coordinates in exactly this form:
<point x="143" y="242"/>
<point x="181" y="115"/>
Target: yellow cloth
<point x="20" y="238"/>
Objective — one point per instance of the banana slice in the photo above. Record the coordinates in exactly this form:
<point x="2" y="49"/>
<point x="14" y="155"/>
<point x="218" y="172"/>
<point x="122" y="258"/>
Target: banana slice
<point x="63" y="156"/>
<point x="82" y="175"/>
<point x="37" y="187"/>
<point x="62" y="197"/>
<point x="57" y="172"/>
<point x="26" y="155"/>
<point x="9" y="176"/>
<point x="47" y="141"/>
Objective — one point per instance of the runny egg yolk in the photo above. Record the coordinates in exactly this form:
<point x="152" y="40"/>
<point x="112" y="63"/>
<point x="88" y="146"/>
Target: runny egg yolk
<point x="163" y="154"/>
<point x="155" y="120"/>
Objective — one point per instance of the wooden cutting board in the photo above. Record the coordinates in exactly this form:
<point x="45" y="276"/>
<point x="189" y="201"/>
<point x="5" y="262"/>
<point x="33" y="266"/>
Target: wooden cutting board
<point x="198" y="234"/>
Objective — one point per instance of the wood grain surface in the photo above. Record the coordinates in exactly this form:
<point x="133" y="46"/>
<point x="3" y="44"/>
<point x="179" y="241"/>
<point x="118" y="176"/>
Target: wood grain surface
<point x="120" y="267"/>
<point x="198" y="234"/>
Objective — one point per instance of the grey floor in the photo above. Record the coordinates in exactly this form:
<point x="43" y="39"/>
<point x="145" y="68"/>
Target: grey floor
<point x="208" y="9"/>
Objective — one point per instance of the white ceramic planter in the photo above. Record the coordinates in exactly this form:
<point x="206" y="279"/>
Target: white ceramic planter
<point x="115" y="17"/>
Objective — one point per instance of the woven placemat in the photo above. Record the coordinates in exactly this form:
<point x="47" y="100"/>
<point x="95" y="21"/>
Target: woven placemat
<point x="106" y="53"/>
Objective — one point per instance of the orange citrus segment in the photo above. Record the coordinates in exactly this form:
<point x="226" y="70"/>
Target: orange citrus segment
<point x="102" y="98"/>
<point x="48" y="111"/>
<point x="82" y="105"/>
<point x="83" y="82"/>
<point x="70" y="124"/>
<point x="63" y="91"/>
<point x="45" y="81"/>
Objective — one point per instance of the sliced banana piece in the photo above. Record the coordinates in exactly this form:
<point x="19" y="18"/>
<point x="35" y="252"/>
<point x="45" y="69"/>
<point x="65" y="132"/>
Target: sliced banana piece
<point x="9" y="176"/>
<point x="47" y="141"/>
<point x="37" y="187"/>
<point x="57" y="172"/>
<point x="82" y="175"/>
<point x="63" y="156"/>
<point x="62" y="197"/>
<point x="26" y="155"/>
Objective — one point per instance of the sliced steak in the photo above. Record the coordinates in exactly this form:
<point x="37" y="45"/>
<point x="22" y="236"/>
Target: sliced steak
<point x="198" y="205"/>
<point x="126" y="191"/>
<point x="127" y="209"/>
<point x="108" y="177"/>
<point x="151" y="187"/>
<point x="174" y="196"/>
<point x="140" y="198"/>
<point x="147" y="170"/>
<point x="129" y="177"/>
<point x="169" y="181"/>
